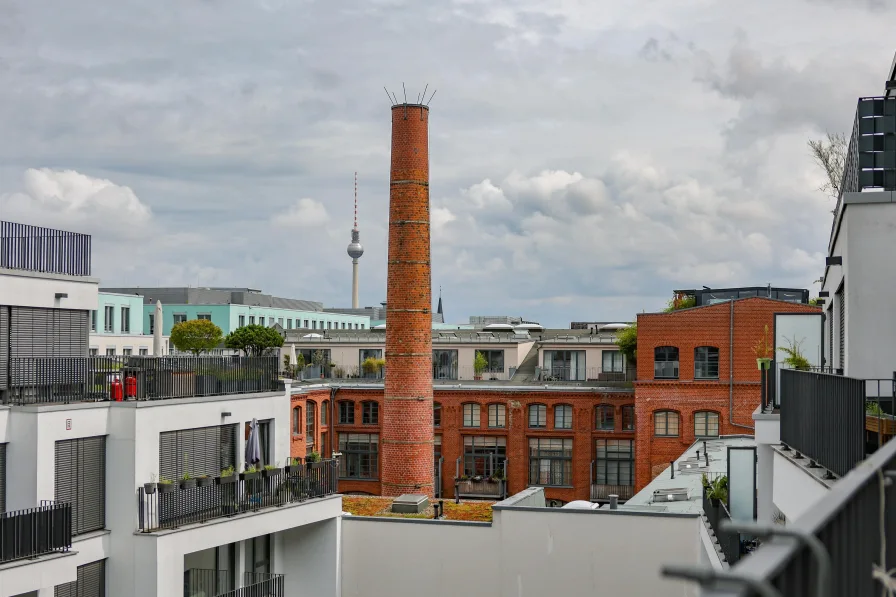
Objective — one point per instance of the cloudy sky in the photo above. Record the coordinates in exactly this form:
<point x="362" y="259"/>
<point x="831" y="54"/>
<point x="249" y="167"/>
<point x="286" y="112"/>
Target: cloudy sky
<point x="587" y="156"/>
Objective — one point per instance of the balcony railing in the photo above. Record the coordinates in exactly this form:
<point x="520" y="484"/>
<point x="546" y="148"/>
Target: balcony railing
<point x="823" y="418"/>
<point x="43" y="380"/>
<point x="492" y="485"/>
<point x="36" y="531"/>
<point x="602" y="493"/>
<point x="257" y="584"/>
<point x="854" y="522"/>
<point x="729" y="541"/>
<point x="45" y="250"/>
<point x="201" y="582"/>
<point x="590" y="374"/>
<point x="171" y="505"/>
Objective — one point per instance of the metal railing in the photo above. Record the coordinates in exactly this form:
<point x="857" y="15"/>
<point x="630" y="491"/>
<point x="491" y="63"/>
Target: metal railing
<point x="46" y="250"/>
<point x="173" y="505"/>
<point x="258" y="584"/>
<point x="437" y="477"/>
<point x="852" y="522"/>
<point x="42" y="380"/>
<point x="493" y="485"/>
<point x="823" y="418"/>
<point x="586" y="374"/>
<point x="202" y="582"/>
<point x="600" y="492"/>
<point x="729" y="541"/>
<point x="35" y="531"/>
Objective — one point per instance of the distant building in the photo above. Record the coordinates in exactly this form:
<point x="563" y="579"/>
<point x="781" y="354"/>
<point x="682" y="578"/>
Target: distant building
<point x="711" y="296"/>
<point x="117" y="326"/>
<point x="489" y="319"/>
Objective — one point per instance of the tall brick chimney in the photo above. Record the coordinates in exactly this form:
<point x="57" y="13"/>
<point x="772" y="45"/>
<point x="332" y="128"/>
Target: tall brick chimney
<point x="407" y="435"/>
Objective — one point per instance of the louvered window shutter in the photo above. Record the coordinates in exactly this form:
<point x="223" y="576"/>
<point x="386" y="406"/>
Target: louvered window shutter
<point x="200" y="451"/>
<point x="91" y="582"/>
<point x="2" y="478"/>
<point x="841" y="299"/>
<point x="4" y="347"/>
<point x="81" y="481"/>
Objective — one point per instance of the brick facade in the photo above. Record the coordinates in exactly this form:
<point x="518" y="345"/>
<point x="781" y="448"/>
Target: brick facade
<point x="688" y="329"/>
<point x="406" y="440"/>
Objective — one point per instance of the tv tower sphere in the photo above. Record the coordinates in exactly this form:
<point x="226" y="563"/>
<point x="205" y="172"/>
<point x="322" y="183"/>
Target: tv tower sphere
<point x="355" y="249"/>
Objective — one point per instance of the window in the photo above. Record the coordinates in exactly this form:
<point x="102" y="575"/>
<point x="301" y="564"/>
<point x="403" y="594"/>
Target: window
<point x="495" y="360"/>
<point x="706" y="424"/>
<point x="93" y="321"/>
<point x="471" y="414"/>
<point x="436" y="414"/>
<point x="144" y="352"/>
<point x="297" y="420"/>
<point x="346" y="413"/>
<point x="110" y="352"/>
<point x="209" y="449"/>
<point x="706" y="362"/>
<point x="179" y="318"/>
<point x="81" y="481"/>
<point x="665" y="362"/>
<point x="289" y="324"/>
<point x="93" y="352"/>
<point x="362" y="326"/>
<point x="612" y="362"/>
<point x="628" y="418"/>
<point x="370" y="413"/>
<point x="205" y="316"/>
<point x="497" y="415"/>
<point x="343" y="325"/>
<point x="270" y="321"/>
<point x="242" y="321"/>
<point x="280" y="321"/>
<point x="306" y="324"/>
<point x="369" y="353"/>
<point x="359" y="455"/>
<point x="550" y="461"/>
<point x="152" y="324"/>
<point x="324" y="408"/>
<point x="436" y="453"/>
<point x="606" y="417"/>
<point x="324" y="446"/>
<point x="90" y="582"/>
<point x="538" y="415"/>
<point x="614" y="462"/>
<point x="484" y="456"/>
<point x="444" y="364"/>
<point x="329" y="325"/>
<point x="356" y="326"/>
<point x="563" y="416"/>
<point x="313" y="325"/>
<point x="127" y="351"/>
<point x="565" y="365"/>
<point x="665" y="423"/>
<point x="109" y="319"/>
<point x="310" y="420"/>
<point x="251" y="320"/>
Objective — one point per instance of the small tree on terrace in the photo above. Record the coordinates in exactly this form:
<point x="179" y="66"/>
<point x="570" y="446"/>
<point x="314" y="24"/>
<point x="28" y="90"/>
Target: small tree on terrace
<point x="254" y="340"/>
<point x="196" y="336"/>
<point x="627" y="341"/>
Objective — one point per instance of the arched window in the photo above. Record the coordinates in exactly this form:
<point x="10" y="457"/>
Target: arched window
<point x="436" y="414"/>
<point x="297" y="420"/>
<point x="324" y="412"/>
<point x="347" y="412"/>
<point x="538" y="415"/>
<point x="471" y="414"/>
<point x="310" y="420"/>
<point x="563" y="416"/>
<point x="665" y="423"/>
<point x="497" y="415"/>
<point x="605" y="419"/>
<point x="706" y="362"/>
<point x="665" y="362"/>
<point x="370" y="413"/>
<point x="706" y="424"/>
<point x="628" y="417"/>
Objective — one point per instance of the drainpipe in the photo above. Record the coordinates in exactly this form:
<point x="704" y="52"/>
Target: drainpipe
<point x="331" y="426"/>
<point x="731" y="369"/>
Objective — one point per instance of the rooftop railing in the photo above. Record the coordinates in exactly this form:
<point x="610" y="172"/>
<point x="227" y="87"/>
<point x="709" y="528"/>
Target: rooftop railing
<point x="47" y="380"/>
<point x="35" y="531"/>
<point x="45" y="250"/>
<point x="258" y="584"/>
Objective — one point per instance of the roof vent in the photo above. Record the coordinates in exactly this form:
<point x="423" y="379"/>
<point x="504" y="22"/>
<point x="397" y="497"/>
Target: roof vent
<point x="690" y="465"/>
<point x="674" y="494"/>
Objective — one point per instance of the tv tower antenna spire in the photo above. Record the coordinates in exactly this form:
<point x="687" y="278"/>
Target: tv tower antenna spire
<point x="355" y="250"/>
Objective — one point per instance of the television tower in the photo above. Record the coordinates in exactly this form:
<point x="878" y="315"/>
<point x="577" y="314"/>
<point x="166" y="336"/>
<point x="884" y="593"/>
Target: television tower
<point x="355" y="250"/>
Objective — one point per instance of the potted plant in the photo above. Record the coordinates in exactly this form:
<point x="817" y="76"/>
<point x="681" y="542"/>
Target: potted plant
<point x="230" y="508"/>
<point x="187" y="482"/>
<point x="795" y="358"/>
<point x="717" y="491"/>
<point x="150" y="488"/>
<point x="313" y="459"/>
<point x="204" y="480"/>
<point x="763" y="351"/>
<point x="250" y="473"/>
<point x="228" y="475"/>
<point x="497" y="477"/>
<point x="166" y="485"/>
<point x="480" y="364"/>
<point x="271" y="470"/>
<point x="292" y="465"/>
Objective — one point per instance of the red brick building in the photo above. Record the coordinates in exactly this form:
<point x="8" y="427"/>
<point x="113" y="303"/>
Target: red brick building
<point x="578" y="443"/>
<point x="697" y="376"/>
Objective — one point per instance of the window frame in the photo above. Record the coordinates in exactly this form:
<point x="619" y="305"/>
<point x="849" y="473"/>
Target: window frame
<point x="370" y="412"/>
<point x="601" y="421"/>
<point x="565" y="414"/>
<point x="310" y="422"/>
<point x="109" y="319"/>
<point x="705" y="362"/>
<point x="346" y="410"/>
<point x="665" y="417"/>
<point x="436" y="414"/>
<point x="324" y="408"/>
<point x="483" y="455"/>
<point x="621" y="460"/>
<point x="297" y="420"/>
<point x="471" y="415"/>
<point x="355" y="458"/>
<point x="666" y="352"/>
<point x="541" y="415"/>
<point x="630" y="409"/>
<point x="561" y="464"/>
<point x="500" y="415"/>
<point x="445" y="371"/>
<point x="706" y="423"/>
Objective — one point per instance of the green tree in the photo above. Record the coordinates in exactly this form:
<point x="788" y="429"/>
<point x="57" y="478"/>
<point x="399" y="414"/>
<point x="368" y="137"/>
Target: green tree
<point x="196" y="336"/>
<point x="480" y="363"/>
<point x="627" y="341"/>
<point x="680" y="301"/>
<point x="254" y="340"/>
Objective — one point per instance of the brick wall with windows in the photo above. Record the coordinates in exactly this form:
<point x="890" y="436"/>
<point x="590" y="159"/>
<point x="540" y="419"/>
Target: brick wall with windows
<point x="698" y="382"/>
<point x="300" y="424"/>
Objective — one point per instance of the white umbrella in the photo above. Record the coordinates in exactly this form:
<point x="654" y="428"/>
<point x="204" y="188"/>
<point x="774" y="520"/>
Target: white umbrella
<point x="157" y="331"/>
<point x="253" y="447"/>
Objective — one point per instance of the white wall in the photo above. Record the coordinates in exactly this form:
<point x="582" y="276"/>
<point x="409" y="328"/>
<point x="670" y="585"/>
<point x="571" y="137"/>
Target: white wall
<point x="795" y="490"/>
<point x="544" y="551"/>
<point x="135" y="342"/>
<point x="309" y="556"/>
<point x="33" y="289"/>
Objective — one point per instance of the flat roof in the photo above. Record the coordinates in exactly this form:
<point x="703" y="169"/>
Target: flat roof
<point x="691" y="479"/>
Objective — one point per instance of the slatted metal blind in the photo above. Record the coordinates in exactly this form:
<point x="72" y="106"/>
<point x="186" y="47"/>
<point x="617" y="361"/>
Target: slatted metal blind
<point x="48" y="332"/>
<point x="841" y="302"/>
<point x="831" y="337"/>
<point x="2" y="478"/>
<point x="4" y="347"/>
<point x="91" y="582"/>
<point x="81" y="481"/>
<point x="199" y="451"/>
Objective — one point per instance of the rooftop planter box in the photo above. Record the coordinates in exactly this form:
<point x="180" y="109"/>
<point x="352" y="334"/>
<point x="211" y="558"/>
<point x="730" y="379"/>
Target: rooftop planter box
<point x="883" y="424"/>
<point x="480" y="487"/>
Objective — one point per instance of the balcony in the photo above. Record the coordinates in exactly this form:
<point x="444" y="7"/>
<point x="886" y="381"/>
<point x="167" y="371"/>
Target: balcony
<point x="602" y="493"/>
<point x="54" y="380"/>
<point x="172" y="504"/>
<point x="44" y="250"/>
<point x="28" y="534"/>
<point x="490" y="484"/>
<point x="218" y="583"/>
<point x="729" y="542"/>
<point x="590" y="374"/>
